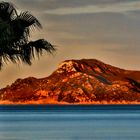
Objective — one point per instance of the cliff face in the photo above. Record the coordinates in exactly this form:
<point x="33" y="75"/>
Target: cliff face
<point x="77" y="81"/>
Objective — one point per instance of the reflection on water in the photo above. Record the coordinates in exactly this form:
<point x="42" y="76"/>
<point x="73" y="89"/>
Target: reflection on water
<point x="53" y="122"/>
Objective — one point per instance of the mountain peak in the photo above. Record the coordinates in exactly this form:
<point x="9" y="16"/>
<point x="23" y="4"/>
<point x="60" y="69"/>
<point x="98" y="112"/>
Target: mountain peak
<point x="77" y="81"/>
<point x="79" y="65"/>
<point x="87" y="66"/>
<point x="67" y="66"/>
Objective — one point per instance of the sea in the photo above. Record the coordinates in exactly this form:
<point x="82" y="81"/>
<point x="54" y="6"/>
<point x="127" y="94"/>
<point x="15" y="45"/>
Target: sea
<point x="70" y="122"/>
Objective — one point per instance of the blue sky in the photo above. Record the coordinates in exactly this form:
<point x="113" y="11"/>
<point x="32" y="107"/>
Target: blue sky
<point x="108" y="30"/>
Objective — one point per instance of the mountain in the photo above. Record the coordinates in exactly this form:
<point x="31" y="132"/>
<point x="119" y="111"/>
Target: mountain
<point x="86" y="81"/>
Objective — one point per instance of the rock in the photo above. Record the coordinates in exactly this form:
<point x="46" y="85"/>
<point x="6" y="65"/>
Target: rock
<point x="77" y="81"/>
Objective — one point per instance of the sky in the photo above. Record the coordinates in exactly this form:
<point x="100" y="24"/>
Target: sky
<point x="107" y="30"/>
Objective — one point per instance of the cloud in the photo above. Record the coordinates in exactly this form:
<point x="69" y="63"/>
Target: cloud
<point x="107" y="30"/>
<point x="41" y="5"/>
<point x="115" y="8"/>
<point x="112" y="32"/>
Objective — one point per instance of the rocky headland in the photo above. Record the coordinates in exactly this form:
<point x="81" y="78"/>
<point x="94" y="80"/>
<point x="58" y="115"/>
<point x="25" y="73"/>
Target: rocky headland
<point x="86" y="81"/>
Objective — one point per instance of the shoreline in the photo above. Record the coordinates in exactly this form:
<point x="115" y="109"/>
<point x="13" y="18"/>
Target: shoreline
<point x="66" y="103"/>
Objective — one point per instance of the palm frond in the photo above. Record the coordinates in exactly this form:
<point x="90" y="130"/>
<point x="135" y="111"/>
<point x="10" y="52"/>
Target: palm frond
<point x="40" y="45"/>
<point x="23" y="24"/>
<point x="1" y="62"/>
<point x="6" y="34"/>
<point x="33" y="48"/>
<point x="14" y="36"/>
<point x="3" y="59"/>
<point x="7" y="11"/>
<point x="9" y="55"/>
<point x="25" y="19"/>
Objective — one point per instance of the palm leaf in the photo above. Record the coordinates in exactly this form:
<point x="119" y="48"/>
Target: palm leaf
<point x="34" y="48"/>
<point x="40" y="45"/>
<point x="25" y="19"/>
<point x="14" y="36"/>
<point x="22" y="25"/>
<point x="7" y="11"/>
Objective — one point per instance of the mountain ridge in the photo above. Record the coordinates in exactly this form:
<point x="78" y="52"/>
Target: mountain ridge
<point x="88" y="81"/>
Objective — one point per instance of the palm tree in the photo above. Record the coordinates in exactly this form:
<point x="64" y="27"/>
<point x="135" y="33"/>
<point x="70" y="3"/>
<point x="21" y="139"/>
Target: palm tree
<point x="14" y="36"/>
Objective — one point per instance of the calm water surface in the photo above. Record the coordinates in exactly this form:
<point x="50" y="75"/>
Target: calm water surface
<point x="58" y="122"/>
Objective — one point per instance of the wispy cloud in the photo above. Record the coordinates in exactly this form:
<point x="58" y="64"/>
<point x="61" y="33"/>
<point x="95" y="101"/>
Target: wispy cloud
<point x="116" y="8"/>
<point x="82" y="29"/>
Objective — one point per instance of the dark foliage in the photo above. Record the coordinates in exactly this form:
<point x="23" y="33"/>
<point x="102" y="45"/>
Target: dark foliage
<point x="14" y="36"/>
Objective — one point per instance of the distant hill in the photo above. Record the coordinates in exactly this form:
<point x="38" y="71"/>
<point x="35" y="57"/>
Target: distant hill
<point x="86" y="81"/>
